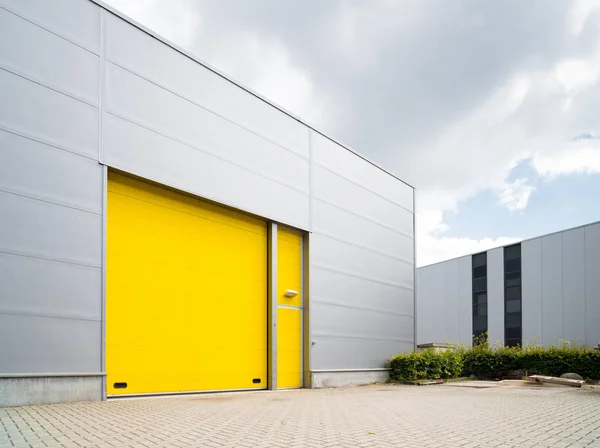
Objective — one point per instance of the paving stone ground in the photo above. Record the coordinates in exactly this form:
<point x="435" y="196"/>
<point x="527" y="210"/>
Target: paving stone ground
<point x="370" y="416"/>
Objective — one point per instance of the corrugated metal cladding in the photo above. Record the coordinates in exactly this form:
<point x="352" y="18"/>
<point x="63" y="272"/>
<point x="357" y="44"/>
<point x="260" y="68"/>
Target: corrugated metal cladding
<point x="560" y="292"/>
<point x="107" y="94"/>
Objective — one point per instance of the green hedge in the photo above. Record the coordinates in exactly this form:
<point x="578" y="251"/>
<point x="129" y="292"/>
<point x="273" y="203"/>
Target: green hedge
<point x="427" y="364"/>
<point x="485" y="362"/>
<point x="495" y="362"/>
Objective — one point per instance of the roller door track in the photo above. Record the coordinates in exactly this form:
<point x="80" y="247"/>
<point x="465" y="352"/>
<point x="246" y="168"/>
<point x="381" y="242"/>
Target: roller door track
<point x="186" y="300"/>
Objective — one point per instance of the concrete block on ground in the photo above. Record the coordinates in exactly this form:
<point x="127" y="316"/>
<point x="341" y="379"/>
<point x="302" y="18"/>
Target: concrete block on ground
<point x="554" y="380"/>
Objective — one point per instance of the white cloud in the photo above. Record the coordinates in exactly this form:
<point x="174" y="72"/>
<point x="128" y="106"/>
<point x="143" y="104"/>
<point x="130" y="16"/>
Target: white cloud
<point x="433" y="246"/>
<point x="172" y="20"/>
<point x="515" y="195"/>
<point x="579" y="157"/>
<point x="267" y="67"/>
<point x="580" y="13"/>
<point x="577" y="75"/>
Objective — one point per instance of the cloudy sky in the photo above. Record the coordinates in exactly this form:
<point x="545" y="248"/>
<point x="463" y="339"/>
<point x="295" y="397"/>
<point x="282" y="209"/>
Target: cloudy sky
<point x="491" y="109"/>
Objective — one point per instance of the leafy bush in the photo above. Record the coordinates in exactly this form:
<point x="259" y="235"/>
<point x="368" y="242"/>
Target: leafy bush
<point x="427" y="364"/>
<point x="497" y="362"/>
<point x="487" y="362"/>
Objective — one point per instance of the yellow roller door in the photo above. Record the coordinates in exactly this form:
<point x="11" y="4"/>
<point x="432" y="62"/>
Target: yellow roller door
<point x="289" y="309"/>
<point x="186" y="300"/>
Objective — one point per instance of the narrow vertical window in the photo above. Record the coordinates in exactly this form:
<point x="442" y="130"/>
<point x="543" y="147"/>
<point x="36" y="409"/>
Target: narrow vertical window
<point x="512" y="296"/>
<point x="480" y="315"/>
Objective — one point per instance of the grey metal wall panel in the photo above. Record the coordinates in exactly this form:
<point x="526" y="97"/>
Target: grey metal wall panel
<point x="348" y="165"/>
<point x="144" y="103"/>
<point x="362" y="280"/>
<point x="332" y="221"/>
<point x="465" y="301"/>
<point x="335" y="190"/>
<point x="592" y="284"/>
<point x="495" y="279"/>
<point x="552" y="286"/>
<point x="438" y="289"/>
<point x="47" y="58"/>
<point x="339" y="321"/>
<point x="36" y="287"/>
<point x="423" y="306"/>
<point x="444" y="302"/>
<point x="560" y="291"/>
<point x="33" y="110"/>
<point x="76" y="20"/>
<point x="449" y="306"/>
<point x="430" y="316"/>
<point x="37" y="170"/>
<point x="353" y="260"/>
<point x="147" y="154"/>
<point x="140" y="53"/>
<point x="41" y="229"/>
<point x="573" y="292"/>
<point x="353" y="292"/>
<point x="50" y="187"/>
<point x="49" y="345"/>
<point x="531" y="291"/>
<point x="340" y="353"/>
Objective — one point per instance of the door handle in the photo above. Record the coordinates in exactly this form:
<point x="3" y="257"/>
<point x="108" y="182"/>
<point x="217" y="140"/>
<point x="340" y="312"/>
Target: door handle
<point x="290" y="293"/>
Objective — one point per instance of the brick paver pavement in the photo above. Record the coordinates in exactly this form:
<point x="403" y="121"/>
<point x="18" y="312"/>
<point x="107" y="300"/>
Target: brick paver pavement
<point x="370" y="416"/>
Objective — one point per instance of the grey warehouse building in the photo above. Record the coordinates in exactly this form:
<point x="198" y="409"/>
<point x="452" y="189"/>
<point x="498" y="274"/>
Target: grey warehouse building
<point x="544" y="290"/>
<point x="160" y="220"/>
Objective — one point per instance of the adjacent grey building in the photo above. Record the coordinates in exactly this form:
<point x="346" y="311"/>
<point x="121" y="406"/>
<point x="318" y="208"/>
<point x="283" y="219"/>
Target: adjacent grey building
<point x="86" y="96"/>
<point x="543" y="290"/>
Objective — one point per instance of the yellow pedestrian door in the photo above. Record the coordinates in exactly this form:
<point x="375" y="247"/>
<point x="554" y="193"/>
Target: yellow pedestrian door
<point x="289" y="309"/>
<point x="186" y="297"/>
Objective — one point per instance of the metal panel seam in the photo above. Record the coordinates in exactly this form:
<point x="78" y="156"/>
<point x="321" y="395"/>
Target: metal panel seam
<point x="146" y="30"/>
<point x="204" y="151"/>
<point x="365" y="338"/>
<point x="323" y="301"/>
<point x="40" y="25"/>
<point x="101" y="82"/>
<point x="47" y="85"/>
<point x="341" y="176"/>
<point x="385" y="226"/>
<point x="47" y="316"/>
<point x="19" y="133"/>
<point x="54" y="202"/>
<point x="160" y="86"/>
<point x="360" y="246"/>
<point x="352" y="274"/>
<point x="38" y="257"/>
<point x="103" y="275"/>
